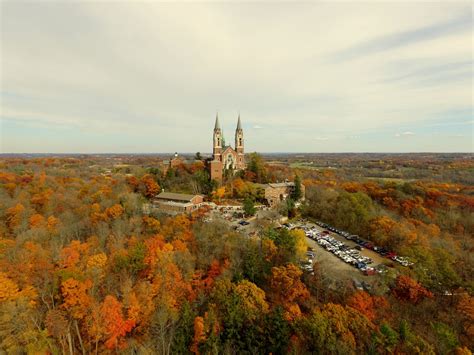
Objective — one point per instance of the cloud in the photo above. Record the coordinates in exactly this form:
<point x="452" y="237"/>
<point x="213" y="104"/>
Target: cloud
<point x="392" y="41"/>
<point x="434" y="74"/>
<point x="321" y="138"/>
<point x="405" y="134"/>
<point x="150" y="75"/>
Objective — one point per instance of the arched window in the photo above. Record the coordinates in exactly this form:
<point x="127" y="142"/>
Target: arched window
<point x="240" y="141"/>
<point x="229" y="163"/>
<point x="218" y="141"/>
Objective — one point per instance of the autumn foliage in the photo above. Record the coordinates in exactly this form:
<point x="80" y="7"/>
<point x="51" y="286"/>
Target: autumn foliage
<point x="85" y="268"/>
<point x="115" y="326"/>
<point x="409" y="290"/>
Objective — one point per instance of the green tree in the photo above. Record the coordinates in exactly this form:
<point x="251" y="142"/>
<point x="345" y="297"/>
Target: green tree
<point x="202" y="182"/>
<point x="404" y="330"/>
<point x="254" y="266"/>
<point x="277" y="332"/>
<point x="154" y="171"/>
<point x="184" y="330"/>
<point x="390" y="337"/>
<point x="446" y="338"/>
<point x="256" y="166"/>
<point x="198" y="156"/>
<point x="287" y="208"/>
<point x="297" y="192"/>
<point x="249" y="207"/>
<point x="286" y="243"/>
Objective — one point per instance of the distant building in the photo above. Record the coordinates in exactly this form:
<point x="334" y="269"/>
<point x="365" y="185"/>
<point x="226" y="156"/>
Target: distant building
<point x="278" y="192"/>
<point x="224" y="157"/>
<point x="175" y="162"/>
<point x="174" y="203"/>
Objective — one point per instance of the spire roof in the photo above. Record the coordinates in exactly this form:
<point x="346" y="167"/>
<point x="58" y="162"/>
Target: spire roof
<point x="239" y="124"/>
<point x="217" y="125"/>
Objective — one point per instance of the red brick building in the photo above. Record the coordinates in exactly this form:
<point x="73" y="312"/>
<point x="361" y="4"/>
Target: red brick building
<point x="224" y="157"/>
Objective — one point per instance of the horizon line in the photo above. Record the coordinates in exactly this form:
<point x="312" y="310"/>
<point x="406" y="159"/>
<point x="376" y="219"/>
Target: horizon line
<point x="267" y="152"/>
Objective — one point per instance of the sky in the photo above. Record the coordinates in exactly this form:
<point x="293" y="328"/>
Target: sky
<point x="149" y="77"/>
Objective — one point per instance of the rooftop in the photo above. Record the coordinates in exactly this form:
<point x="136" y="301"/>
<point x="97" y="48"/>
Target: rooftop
<point x="282" y="184"/>
<point x="174" y="203"/>
<point x="175" y="196"/>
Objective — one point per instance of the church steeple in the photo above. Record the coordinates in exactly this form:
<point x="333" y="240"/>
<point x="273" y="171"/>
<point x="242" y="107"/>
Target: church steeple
<point x="239" y="137"/>
<point x="217" y="140"/>
<point x="217" y="125"/>
<point x="239" y="124"/>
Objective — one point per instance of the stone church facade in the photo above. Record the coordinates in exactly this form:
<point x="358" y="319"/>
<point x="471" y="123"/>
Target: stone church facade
<point x="224" y="157"/>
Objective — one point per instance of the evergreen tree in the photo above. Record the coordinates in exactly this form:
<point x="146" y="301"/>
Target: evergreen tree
<point x="257" y="167"/>
<point x="277" y="331"/>
<point x="249" y="207"/>
<point x="297" y="193"/>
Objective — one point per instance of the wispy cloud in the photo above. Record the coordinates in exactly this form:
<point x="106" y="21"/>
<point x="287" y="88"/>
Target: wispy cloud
<point x="404" y="134"/>
<point x="407" y="37"/>
<point x="434" y="73"/>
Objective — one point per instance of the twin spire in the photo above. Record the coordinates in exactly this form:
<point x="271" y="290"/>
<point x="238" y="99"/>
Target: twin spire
<point x="239" y="124"/>
<point x="218" y="126"/>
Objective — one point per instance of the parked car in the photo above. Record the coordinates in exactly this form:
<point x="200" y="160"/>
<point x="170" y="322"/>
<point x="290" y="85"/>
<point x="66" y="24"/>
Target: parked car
<point x="357" y="285"/>
<point x="369" y="271"/>
<point x="391" y="255"/>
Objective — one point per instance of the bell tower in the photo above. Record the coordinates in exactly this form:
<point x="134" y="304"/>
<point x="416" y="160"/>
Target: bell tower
<point x="217" y="140"/>
<point x="239" y="144"/>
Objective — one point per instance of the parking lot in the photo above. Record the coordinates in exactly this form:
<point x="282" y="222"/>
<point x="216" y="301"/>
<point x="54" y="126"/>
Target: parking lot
<point x="234" y="217"/>
<point x="341" y="255"/>
<point x="351" y="249"/>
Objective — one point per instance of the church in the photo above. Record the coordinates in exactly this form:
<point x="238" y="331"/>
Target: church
<point x="224" y="157"/>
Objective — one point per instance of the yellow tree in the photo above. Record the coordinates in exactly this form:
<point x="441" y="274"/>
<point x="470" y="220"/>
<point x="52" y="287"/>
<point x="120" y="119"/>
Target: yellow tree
<point x="219" y="193"/>
<point x="14" y="215"/>
<point x="253" y="299"/>
<point x="300" y="243"/>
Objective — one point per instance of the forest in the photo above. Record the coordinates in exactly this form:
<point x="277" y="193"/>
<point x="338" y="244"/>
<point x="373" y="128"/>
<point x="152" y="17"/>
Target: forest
<point x="84" y="269"/>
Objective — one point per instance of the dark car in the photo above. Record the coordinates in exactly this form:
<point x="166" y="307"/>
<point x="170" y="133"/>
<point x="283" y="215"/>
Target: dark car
<point x="360" y="265"/>
<point x="244" y="223"/>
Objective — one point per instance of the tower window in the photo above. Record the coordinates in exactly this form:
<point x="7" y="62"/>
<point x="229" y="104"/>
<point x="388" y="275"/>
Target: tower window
<point x="240" y="141"/>
<point x="218" y="141"/>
